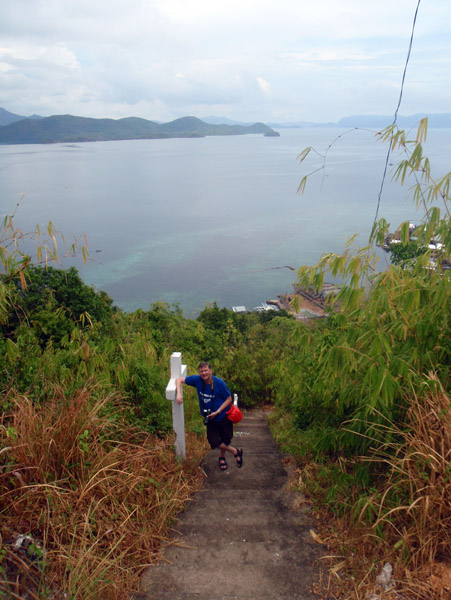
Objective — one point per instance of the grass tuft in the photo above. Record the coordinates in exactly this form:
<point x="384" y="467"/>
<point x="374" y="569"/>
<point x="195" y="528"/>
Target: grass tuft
<point x="97" y="496"/>
<point x="391" y="506"/>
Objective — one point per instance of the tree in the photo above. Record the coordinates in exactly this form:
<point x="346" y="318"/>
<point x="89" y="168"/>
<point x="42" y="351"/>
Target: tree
<point x="53" y="301"/>
<point x="18" y="250"/>
<point x="404" y="254"/>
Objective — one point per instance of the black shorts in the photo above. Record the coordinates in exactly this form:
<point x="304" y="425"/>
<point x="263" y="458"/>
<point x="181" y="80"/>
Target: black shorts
<point x="219" y="432"/>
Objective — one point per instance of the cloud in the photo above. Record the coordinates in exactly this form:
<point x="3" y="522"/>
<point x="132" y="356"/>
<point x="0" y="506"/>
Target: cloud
<point x="263" y="85"/>
<point x="327" y="55"/>
<point x="32" y="59"/>
<point x="168" y="58"/>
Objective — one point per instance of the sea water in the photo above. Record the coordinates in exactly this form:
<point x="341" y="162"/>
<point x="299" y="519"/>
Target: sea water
<point x="215" y="219"/>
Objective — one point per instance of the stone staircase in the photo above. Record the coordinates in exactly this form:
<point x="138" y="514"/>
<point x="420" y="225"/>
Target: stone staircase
<point x="239" y="538"/>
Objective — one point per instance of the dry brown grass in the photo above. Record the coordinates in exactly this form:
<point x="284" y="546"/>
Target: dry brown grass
<point x="412" y="529"/>
<point x="97" y="496"/>
<point x="421" y="468"/>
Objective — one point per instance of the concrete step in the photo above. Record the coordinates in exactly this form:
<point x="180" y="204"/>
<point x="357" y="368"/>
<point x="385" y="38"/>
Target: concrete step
<point x="239" y="538"/>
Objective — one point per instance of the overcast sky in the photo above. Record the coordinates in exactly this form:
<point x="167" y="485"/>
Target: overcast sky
<point x="249" y="60"/>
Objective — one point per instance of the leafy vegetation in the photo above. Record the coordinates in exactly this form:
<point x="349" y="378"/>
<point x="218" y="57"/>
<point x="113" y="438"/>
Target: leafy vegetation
<point x="374" y="379"/>
<point x="404" y="254"/>
<point x="89" y="483"/>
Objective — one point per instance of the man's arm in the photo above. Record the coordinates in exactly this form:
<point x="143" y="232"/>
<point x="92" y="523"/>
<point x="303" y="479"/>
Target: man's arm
<point x="178" y="386"/>
<point x="222" y="408"/>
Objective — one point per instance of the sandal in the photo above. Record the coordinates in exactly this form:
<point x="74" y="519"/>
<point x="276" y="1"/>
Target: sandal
<point x="222" y="463"/>
<point x="239" y="457"/>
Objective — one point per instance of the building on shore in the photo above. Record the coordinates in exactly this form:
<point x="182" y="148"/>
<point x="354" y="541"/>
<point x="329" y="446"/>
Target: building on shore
<point x="301" y="303"/>
<point x="306" y="304"/>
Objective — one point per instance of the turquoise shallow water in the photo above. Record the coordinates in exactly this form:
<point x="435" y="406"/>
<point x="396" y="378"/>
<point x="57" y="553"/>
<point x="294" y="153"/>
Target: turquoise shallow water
<point x="196" y="221"/>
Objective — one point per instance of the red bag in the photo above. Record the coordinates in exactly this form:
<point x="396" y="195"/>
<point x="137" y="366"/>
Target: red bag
<point x="234" y="414"/>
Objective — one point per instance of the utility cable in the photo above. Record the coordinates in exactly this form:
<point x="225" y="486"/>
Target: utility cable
<point x="396" y="114"/>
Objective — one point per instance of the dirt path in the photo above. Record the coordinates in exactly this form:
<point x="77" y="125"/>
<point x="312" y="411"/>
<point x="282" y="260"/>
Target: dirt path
<point x="240" y="537"/>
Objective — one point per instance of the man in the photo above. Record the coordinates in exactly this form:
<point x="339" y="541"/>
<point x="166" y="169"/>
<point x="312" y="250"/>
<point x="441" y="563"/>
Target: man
<point x="214" y="399"/>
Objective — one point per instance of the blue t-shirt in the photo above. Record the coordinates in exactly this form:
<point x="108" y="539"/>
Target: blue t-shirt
<point x="210" y="396"/>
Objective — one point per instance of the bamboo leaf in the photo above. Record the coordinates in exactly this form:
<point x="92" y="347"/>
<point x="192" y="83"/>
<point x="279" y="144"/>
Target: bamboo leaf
<point x="23" y="281"/>
<point x="303" y="155"/>
<point x="405" y="233"/>
<point x="302" y="184"/>
<point x="12" y="351"/>
<point x="422" y="131"/>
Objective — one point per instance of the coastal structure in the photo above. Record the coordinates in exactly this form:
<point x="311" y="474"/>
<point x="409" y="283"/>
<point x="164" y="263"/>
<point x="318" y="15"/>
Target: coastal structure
<point x="264" y="307"/>
<point x="302" y="303"/>
<point x="395" y="238"/>
<point x="239" y="309"/>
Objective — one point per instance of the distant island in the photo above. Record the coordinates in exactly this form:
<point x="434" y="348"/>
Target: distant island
<point x="17" y="129"/>
<point x="439" y="120"/>
<point x="68" y="128"/>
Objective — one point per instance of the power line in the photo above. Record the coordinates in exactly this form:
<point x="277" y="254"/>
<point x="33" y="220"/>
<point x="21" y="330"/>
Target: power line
<point x="396" y="113"/>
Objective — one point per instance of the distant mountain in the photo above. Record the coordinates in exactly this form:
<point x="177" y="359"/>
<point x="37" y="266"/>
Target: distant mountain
<point x="381" y="121"/>
<point x="195" y="126"/>
<point x="68" y="128"/>
<point x="6" y="117"/>
<point x="442" y="120"/>
<point x="212" y="120"/>
<point x="300" y="125"/>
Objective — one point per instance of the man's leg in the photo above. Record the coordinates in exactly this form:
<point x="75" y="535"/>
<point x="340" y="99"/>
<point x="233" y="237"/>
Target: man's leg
<point x="237" y="453"/>
<point x="223" y="448"/>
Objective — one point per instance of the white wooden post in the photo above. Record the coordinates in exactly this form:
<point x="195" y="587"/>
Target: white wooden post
<point x="235" y="399"/>
<point x="178" y="417"/>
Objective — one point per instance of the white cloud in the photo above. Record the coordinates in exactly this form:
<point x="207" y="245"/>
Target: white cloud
<point x="25" y="57"/>
<point x="263" y="85"/>
<point x="162" y="59"/>
<point x="327" y="55"/>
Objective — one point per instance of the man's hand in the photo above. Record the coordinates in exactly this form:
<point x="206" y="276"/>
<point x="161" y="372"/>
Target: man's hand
<point x="178" y="389"/>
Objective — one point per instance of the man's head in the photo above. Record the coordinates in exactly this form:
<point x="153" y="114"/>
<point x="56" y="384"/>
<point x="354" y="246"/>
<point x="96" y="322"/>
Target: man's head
<point x="205" y="371"/>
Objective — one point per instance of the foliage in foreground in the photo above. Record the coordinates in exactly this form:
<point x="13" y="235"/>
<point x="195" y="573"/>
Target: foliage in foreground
<point x="89" y="484"/>
<point x="400" y="514"/>
<point x="413" y="506"/>
<point x="372" y="405"/>
<point x="93" y="496"/>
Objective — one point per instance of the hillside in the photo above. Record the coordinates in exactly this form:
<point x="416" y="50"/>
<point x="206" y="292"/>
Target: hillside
<point x="69" y="128"/>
